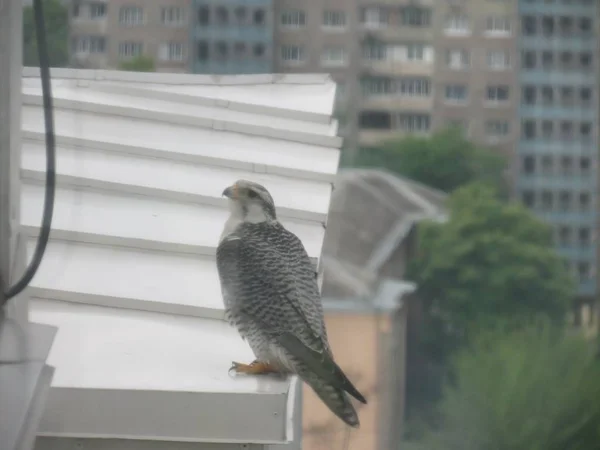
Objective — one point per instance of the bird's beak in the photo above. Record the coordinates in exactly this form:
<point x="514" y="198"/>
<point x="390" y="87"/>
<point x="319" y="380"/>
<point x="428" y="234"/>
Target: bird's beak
<point x="231" y="192"/>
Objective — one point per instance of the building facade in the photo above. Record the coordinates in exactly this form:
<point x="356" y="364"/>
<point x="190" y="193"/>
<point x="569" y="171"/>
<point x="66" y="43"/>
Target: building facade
<point x="106" y="34"/>
<point x="232" y="37"/>
<point x="558" y="149"/>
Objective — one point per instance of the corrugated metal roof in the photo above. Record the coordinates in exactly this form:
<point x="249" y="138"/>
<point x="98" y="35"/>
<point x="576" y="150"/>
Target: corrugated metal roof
<point x="371" y="212"/>
<point x="129" y="276"/>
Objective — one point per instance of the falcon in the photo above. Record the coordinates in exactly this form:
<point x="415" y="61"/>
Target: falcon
<point x="271" y="296"/>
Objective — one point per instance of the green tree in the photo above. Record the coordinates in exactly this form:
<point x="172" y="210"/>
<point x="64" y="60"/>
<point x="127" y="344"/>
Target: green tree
<point x="532" y="389"/>
<point x="490" y="261"/>
<point x="138" y="64"/>
<point x="445" y="161"/>
<point x="56" y="19"/>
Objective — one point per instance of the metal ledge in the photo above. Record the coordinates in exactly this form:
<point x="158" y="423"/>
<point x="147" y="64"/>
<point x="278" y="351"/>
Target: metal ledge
<point x="23" y="385"/>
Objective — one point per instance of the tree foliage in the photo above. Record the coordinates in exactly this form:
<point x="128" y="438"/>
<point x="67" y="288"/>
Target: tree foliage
<point x="532" y="389"/>
<point x="56" y="18"/>
<point x="445" y="161"/>
<point x="490" y="261"/>
<point x="138" y="64"/>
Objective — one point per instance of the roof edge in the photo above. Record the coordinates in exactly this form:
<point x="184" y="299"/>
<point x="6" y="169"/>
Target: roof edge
<point x="180" y="78"/>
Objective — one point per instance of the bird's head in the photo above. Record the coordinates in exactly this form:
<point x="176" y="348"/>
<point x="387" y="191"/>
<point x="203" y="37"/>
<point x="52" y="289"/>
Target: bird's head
<point x="250" y="202"/>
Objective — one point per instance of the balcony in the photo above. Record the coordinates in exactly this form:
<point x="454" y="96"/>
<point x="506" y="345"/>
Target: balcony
<point x="577" y="252"/>
<point x="572" y="217"/>
<point x="232" y="67"/>
<point x="230" y="33"/>
<point x="556" y="181"/>
<point x="587" y="288"/>
<point x="555" y="146"/>
<point x="557" y="9"/>
<point x="553" y="111"/>
<point x="559" y="43"/>
<point x="541" y="76"/>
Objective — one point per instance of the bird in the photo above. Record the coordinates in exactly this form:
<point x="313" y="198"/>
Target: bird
<point x="271" y="296"/>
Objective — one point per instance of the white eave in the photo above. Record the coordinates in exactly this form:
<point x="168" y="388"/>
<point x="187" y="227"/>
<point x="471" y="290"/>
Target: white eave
<point x="129" y="275"/>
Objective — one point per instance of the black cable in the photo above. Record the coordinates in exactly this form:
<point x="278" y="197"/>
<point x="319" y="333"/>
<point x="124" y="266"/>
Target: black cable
<point x="42" y="242"/>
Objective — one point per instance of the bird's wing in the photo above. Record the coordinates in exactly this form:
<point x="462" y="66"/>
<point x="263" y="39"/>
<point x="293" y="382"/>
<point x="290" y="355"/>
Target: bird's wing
<point x="289" y="309"/>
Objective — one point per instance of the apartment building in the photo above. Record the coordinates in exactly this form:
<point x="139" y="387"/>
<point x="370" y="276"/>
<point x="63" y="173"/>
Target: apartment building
<point x="232" y="37"/>
<point x="558" y="149"/>
<point x="105" y="33"/>
<point x="476" y="71"/>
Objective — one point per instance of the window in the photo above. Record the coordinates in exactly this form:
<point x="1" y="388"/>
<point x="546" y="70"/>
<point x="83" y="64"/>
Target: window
<point x="374" y="17"/>
<point x="171" y="51"/>
<point x="497" y="26"/>
<point x="203" y="15"/>
<point x="566" y="60"/>
<point x="241" y="14"/>
<point x="548" y="25"/>
<point x="412" y="122"/>
<point x="566" y="130"/>
<point x="584" y="201"/>
<point x="496" y="129"/>
<point x="529" y="95"/>
<point x="373" y="86"/>
<point x="75" y="10"/>
<point x="130" y="49"/>
<point x="222" y="15"/>
<point x="414" y="87"/>
<point x="221" y="50"/>
<point x="498" y="59"/>
<point x="529" y="59"/>
<point x="547" y="130"/>
<point x="584" y="271"/>
<point x="585" y="166"/>
<point x="585" y="237"/>
<point x="547" y="60"/>
<point x="293" y="19"/>
<point x="202" y="50"/>
<point x="528" y="165"/>
<point x="566" y="165"/>
<point x="547" y="95"/>
<point x="415" y="52"/>
<point x="547" y="200"/>
<point x="497" y="93"/>
<point x="374" y="120"/>
<point x="334" y="57"/>
<point x="585" y="25"/>
<point x="529" y="26"/>
<point x="564" y="236"/>
<point x="567" y="95"/>
<point x="239" y="50"/>
<point x="547" y="164"/>
<point x="528" y="198"/>
<point x="585" y="60"/>
<point x="415" y="16"/>
<point x="258" y="18"/>
<point x="97" y="10"/>
<point x="131" y="15"/>
<point x="456" y="93"/>
<point x="334" y="19"/>
<point x="458" y="59"/>
<point x="564" y="201"/>
<point x="292" y="53"/>
<point x="172" y="16"/>
<point x="528" y="129"/>
<point x="585" y="130"/>
<point x="258" y="50"/>
<point x="457" y="24"/>
<point x="566" y="26"/>
<point x="585" y="96"/>
<point x="89" y="44"/>
<point x="374" y="51"/>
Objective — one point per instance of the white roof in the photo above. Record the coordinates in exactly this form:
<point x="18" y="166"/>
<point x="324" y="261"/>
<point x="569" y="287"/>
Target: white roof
<point x="129" y="275"/>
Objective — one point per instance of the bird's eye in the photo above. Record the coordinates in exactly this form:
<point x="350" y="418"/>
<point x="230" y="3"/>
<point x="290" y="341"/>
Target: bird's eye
<point x="252" y="194"/>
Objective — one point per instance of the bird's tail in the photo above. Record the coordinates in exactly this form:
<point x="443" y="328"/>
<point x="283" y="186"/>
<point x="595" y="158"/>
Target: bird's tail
<point x="336" y="400"/>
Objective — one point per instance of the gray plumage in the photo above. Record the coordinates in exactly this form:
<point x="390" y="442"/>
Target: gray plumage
<point x="271" y="296"/>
